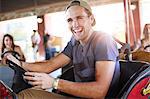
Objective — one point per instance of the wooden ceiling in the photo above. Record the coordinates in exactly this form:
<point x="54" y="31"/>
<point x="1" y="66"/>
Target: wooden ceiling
<point x="11" y="5"/>
<point x="10" y="9"/>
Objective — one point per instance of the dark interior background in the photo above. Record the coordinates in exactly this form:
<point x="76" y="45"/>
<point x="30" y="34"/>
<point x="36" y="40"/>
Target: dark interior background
<point x="12" y="5"/>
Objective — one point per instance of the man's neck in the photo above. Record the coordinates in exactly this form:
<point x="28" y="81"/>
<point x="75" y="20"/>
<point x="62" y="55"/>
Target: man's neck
<point x="83" y="42"/>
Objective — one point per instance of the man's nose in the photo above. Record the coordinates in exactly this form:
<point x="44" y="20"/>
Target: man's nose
<point x="148" y="30"/>
<point x="75" y="23"/>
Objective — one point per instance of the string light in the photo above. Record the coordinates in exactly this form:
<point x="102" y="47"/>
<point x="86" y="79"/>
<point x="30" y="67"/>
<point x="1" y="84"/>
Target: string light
<point x="39" y="20"/>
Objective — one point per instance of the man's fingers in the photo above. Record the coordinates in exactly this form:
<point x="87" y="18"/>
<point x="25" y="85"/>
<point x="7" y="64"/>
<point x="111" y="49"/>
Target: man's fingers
<point x="35" y="83"/>
<point x="37" y="87"/>
<point x="33" y="78"/>
<point x="28" y="78"/>
<point x="7" y="54"/>
<point x="33" y="74"/>
<point x="13" y="59"/>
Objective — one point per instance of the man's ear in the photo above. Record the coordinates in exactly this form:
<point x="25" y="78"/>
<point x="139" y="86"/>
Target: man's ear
<point x="93" y="22"/>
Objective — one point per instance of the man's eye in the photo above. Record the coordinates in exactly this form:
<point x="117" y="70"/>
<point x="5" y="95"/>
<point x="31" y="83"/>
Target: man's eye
<point x="80" y="17"/>
<point x="69" y="20"/>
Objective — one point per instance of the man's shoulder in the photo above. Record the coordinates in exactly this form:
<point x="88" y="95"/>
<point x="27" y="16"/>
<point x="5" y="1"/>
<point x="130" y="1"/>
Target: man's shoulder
<point x="73" y="41"/>
<point x="99" y="35"/>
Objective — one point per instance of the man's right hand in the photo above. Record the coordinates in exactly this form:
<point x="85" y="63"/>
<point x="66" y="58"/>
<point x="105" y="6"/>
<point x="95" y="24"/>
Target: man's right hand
<point x="13" y="59"/>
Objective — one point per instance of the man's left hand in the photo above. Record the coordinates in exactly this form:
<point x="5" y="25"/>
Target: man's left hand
<point x="39" y="80"/>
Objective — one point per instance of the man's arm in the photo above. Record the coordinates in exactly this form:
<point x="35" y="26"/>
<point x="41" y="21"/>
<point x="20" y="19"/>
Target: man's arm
<point x="97" y="89"/>
<point x="43" y="66"/>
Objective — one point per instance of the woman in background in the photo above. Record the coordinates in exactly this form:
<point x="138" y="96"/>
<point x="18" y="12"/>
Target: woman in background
<point x="145" y="42"/>
<point x="143" y="52"/>
<point x="8" y="45"/>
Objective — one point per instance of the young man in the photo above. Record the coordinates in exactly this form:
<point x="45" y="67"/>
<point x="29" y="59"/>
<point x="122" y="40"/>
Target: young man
<point x="94" y="56"/>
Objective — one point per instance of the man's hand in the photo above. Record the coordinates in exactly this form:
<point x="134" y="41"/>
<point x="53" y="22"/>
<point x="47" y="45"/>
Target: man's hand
<point x="13" y="59"/>
<point x="39" y="80"/>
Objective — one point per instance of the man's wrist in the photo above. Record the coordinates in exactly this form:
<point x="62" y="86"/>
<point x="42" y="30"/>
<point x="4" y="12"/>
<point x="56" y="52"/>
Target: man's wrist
<point x="55" y="83"/>
<point x="20" y="63"/>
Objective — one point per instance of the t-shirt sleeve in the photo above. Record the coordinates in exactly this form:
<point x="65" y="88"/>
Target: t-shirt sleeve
<point x="106" y="49"/>
<point x="68" y="50"/>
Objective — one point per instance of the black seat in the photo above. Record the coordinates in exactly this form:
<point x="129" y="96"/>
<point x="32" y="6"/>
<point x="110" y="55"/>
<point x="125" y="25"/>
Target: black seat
<point x="138" y="88"/>
<point x="129" y="70"/>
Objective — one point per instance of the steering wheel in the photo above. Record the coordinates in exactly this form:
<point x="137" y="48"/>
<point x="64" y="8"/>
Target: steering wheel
<point x="146" y="47"/>
<point x="13" y="65"/>
<point x="19" y="83"/>
<point x="14" y="53"/>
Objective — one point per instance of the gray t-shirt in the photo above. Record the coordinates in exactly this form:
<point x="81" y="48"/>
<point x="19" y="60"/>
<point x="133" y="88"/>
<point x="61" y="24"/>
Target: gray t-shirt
<point x="100" y="47"/>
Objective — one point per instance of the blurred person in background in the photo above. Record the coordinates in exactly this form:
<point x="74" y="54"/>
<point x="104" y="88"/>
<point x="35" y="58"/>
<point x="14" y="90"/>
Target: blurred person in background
<point x="8" y="45"/>
<point x="145" y="42"/>
<point x="48" y="39"/>
<point x="143" y="51"/>
<point x="35" y="38"/>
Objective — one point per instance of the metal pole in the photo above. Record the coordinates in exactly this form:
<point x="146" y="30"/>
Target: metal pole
<point x="127" y="21"/>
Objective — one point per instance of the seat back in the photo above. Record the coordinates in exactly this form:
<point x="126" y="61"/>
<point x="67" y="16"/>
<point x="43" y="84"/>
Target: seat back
<point x="140" y="87"/>
<point x="129" y="70"/>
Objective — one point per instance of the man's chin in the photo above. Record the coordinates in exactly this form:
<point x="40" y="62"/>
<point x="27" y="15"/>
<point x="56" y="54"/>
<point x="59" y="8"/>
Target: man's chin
<point x="77" y="38"/>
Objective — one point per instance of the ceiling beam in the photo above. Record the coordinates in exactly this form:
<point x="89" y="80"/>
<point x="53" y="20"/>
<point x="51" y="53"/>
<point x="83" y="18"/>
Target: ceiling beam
<point x="48" y="8"/>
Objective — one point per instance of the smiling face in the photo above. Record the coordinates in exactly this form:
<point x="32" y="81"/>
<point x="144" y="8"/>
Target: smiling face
<point x="7" y="42"/>
<point x="79" y="22"/>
